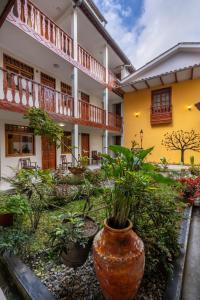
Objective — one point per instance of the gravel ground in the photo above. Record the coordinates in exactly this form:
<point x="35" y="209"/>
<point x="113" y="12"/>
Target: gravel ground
<point x="81" y="284"/>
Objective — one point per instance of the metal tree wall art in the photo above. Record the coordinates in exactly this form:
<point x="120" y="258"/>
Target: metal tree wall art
<point x="182" y="141"/>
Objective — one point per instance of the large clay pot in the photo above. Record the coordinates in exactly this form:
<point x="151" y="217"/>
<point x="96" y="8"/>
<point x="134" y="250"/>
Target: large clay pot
<point x="119" y="262"/>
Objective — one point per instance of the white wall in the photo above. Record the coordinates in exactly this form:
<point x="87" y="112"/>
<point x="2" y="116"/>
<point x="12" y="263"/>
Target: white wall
<point x="7" y="162"/>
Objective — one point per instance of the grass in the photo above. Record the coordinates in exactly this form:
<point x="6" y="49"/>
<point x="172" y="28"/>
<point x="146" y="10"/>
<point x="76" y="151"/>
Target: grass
<point x="49" y="220"/>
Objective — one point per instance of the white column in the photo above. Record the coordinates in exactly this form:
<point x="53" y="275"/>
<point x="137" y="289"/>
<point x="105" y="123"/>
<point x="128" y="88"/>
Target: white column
<point x="74" y="84"/>
<point x="75" y="144"/>
<point x="105" y="142"/>
<point x="105" y="100"/>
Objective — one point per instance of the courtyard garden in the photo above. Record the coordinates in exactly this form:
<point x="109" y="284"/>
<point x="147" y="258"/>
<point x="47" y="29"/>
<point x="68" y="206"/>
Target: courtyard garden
<point x="55" y="222"/>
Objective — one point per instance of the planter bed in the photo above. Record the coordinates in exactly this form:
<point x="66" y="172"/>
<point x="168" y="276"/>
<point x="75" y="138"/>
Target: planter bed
<point x="66" y="283"/>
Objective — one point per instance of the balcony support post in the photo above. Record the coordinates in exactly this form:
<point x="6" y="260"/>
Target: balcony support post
<point x="105" y="142"/>
<point x="74" y="84"/>
<point x="75" y="143"/>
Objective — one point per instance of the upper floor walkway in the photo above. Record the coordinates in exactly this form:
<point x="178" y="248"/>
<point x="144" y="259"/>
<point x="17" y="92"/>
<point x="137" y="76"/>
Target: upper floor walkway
<point x="33" y="21"/>
<point x="18" y="93"/>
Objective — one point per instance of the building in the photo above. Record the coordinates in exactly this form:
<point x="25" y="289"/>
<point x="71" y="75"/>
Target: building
<point x="57" y="55"/>
<point x="160" y="98"/>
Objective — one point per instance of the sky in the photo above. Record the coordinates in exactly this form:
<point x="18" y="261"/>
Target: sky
<point x="146" y="28"/>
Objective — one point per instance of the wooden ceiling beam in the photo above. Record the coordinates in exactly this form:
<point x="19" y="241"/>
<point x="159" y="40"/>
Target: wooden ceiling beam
<point x="148" y="86"/>
<point x="161" y="80"/>
<point x="176" y="78"/>
<point x="192" y="73"/>
<point x="133" y="86"/>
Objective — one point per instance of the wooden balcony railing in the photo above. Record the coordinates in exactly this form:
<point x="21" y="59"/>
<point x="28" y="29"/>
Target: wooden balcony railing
<point x="29" y="18"/>
<point x="23" y="92"/>
<point x="115" y="122"/>
<point x="32" y="16"/>
<point x="17" y="93"/>
<point x="88" y="62"/>
<point x="161" y="114"/>
<point x="91" y="113"/>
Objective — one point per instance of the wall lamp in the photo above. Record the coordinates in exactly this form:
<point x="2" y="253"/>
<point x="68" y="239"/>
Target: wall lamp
<point x="189" y="107"/>
<point x="137" y="114"/>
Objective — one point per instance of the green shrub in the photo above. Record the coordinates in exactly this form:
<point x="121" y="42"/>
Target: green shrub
<point x="156" y="219"/>
<point x="14" y="240"/>
<point x="36" y="187"/>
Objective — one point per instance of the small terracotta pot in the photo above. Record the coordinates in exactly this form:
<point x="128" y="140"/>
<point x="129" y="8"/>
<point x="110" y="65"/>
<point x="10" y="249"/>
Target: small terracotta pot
<point x="77" y="170"/>
<point x="119" y="262"/>
<point x="6" y="219"/>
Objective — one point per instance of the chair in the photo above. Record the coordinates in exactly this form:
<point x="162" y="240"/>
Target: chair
<point x="26" y="163"/>
<point x="64" y="163"/>
<point x="95" y="157"/>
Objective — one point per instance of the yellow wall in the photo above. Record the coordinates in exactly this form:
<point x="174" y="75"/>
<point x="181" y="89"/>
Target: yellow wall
<point x="183" y="94"/>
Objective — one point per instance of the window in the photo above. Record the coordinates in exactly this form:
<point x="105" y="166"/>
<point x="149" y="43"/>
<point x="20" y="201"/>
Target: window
<point x="19" y="140"/>
<point x="85" y="97"/>
<point x="48" y="81"/>
<point x="66" y="89"/>
<point x="67" y="140"/>
<point x="161" y="100"/>
<point x="17" y="67"/>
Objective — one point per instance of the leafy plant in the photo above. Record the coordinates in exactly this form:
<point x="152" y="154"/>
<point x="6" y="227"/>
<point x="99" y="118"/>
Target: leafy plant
<point x="14" y="204"/>
<point x="122" y="171"/>
<point x="164" y="163"/>
<point x="36" y="186"/>
<point x="190" y="188"/>
<point x="83" y="161"/>
<point x="71" y="230"/>
<point x="43" y="125"/>
<point x="156" y="215"/>
<point x="13" y="240"/>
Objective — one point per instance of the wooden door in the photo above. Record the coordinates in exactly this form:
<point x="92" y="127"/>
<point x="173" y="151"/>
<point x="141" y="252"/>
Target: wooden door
<point x="85" y="106"/>
<point x="85" y="144"/>
<point x="117" y="140"/>
<point x="118" y="109"/>
<point x="48" y="154"/>
<point x="48" y="94"/>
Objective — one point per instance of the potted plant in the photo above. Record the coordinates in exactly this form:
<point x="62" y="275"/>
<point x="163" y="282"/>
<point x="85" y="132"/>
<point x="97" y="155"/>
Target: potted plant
<point x="117" y="251"/>
<point x="73" y="238"/>
<point x="11" y="206"/>
<point x="81" y="166"/>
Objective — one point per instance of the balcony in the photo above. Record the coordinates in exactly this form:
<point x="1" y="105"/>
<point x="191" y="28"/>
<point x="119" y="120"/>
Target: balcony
<point x="91" y="114"/>
<point x="161" y="114"/>
<point x="18" y="93"/>
<point x="26" y="16"/>
<point x="115" y="122"/>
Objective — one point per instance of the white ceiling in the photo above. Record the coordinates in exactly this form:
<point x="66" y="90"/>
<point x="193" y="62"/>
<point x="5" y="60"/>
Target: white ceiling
<point x="60" y="11"/>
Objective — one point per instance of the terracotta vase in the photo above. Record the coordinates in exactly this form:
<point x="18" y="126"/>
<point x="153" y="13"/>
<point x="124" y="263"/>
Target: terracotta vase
<point x="119" y="262"/>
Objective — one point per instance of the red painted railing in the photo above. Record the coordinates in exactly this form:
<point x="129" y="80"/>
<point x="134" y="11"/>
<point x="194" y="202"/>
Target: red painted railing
<point x="115" y="121"/>
<point x="32" y="16"/>
<point x="88" y="62"/>
<point x="20" y="92"/>
<point x="91" y="113"/>
<point x="25" y="92"/>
